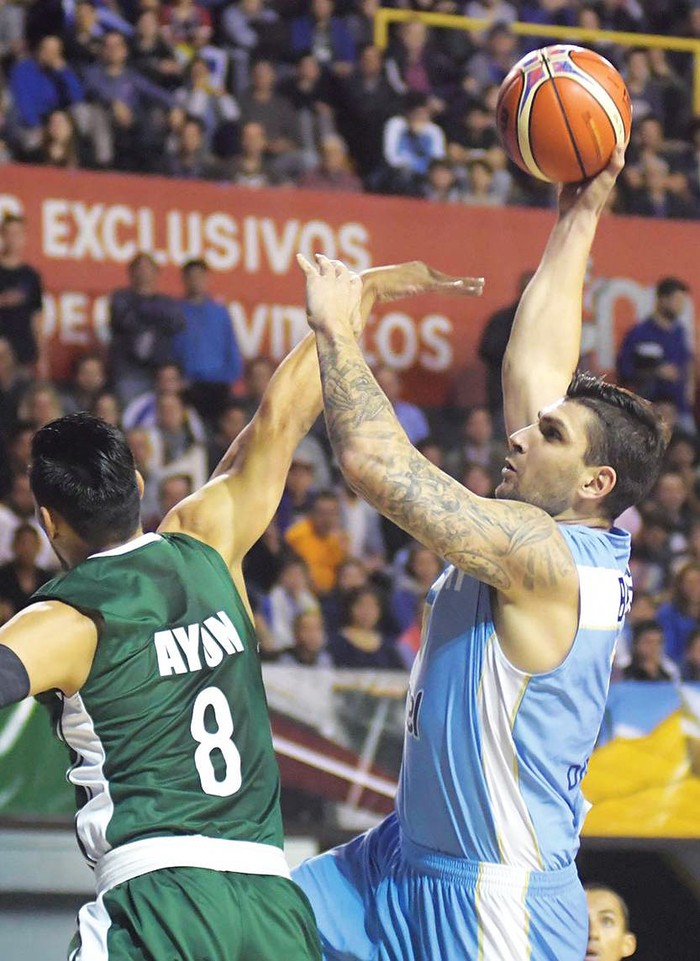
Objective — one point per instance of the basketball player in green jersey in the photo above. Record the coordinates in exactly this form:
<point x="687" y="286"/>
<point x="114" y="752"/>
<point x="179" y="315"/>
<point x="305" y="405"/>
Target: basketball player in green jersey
<point x="146" y="648"/>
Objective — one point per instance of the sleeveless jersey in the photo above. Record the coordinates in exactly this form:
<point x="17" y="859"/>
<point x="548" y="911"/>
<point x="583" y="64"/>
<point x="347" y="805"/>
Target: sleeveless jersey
<point x="170" y="733"/>
<point x="494" y="757"/>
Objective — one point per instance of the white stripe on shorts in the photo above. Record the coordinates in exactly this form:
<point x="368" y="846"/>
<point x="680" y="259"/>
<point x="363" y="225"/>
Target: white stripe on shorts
<point x="93" y="924"/>
<point x="503" y="918"/>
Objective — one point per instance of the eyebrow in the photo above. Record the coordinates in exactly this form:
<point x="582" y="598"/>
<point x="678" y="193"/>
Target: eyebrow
<point x="552" y="421"/>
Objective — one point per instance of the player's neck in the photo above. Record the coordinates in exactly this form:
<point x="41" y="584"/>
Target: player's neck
<point x="572" y="517"/>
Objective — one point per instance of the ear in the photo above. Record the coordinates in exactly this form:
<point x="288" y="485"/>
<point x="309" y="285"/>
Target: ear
<point x="600" y="484"/>
<point x="140" y="483"/>
<point x="629" y="945"/>
<point x="48" y="523"/>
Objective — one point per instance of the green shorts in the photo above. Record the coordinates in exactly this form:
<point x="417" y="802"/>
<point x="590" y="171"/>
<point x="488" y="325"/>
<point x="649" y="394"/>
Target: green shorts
<point x="195" y="914"/>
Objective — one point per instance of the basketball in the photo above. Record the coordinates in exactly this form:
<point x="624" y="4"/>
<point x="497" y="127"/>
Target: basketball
<point x="561" y="111"/>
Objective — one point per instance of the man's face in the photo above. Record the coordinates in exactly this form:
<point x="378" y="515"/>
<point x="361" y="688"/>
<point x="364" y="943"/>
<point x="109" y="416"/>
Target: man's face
<point x="648" y="646"/>
<point x="114" y="50"/>
<point x="324" y="516"/>
<point x="13" y="238"/>
<point x="608" y="937"/>
<point x="545" y="464"/>
<point x="672" y="305"/>
<point x="196" y="282"/>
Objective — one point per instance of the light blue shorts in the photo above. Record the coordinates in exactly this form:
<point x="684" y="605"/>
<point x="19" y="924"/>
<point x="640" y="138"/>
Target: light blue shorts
<point x="383" y="898"/>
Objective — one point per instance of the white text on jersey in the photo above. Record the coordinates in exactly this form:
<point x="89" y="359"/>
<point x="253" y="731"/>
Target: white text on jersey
<point x="208" y="641"/>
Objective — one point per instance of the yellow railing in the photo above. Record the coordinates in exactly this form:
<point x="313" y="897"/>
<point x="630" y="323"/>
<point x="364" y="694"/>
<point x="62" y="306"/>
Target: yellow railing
<point x="385" y="16"/>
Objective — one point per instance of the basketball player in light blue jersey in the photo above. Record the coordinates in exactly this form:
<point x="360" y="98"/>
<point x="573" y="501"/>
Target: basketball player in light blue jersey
<point x="508" y="692"/>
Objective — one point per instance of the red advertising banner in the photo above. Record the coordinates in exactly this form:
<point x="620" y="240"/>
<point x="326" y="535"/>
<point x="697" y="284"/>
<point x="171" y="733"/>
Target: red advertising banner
<point x="84" y="228"/>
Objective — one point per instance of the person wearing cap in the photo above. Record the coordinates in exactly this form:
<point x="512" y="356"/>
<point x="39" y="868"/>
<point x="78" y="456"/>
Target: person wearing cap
<point x="655" y="356"/>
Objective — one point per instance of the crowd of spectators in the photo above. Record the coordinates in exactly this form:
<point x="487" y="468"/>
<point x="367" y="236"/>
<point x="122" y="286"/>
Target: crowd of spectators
<point x="294" y="93"/>
<point x="331" y="581"/>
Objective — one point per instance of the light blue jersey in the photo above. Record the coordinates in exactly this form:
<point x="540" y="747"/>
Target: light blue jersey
<point x="504" y="752"/>
<point x="478" y="860"/>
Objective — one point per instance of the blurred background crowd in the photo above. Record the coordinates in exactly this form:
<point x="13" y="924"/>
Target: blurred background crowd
<point x="331" y="582"/>
<point x="295" y="93"/>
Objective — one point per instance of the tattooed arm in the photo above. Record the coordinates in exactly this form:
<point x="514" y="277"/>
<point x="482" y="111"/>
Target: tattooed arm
<point x="513" y="547"/>
<point x="545" y="342"/>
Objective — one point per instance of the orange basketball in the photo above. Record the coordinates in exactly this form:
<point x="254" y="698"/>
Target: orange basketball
<point x="561" y="111"/>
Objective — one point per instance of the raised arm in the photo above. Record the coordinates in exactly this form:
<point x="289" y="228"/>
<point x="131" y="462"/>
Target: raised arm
<point x="233" y="510"/>
<point x="544" y="346"/>
<point x="492" y="540"/>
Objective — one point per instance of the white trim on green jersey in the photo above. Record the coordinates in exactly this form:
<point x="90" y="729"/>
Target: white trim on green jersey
<point x="132" y="545"/>
<point x="92" y="819"/>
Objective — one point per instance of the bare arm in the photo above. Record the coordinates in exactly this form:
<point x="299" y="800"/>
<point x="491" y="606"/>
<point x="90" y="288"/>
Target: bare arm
<point x="544" y="345"/>
<point x="233" y="510"/>
<point x="56" y="644"/>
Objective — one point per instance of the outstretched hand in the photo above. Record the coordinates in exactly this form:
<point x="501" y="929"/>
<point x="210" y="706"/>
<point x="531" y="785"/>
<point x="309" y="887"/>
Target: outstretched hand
<point x="333" y="295"/>
<point x="592" y="195"/>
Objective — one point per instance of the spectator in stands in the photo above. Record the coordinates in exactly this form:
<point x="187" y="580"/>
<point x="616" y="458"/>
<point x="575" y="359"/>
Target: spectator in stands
<point x="129" y="110"/>
<point x="479" y="445"/>
<point x="670" y="498"/>
<point x="655" y="198"/>
<point x="18" y="508"/>
<point x="412" y="583"/>
<point x="326" y="36"/>
<point x="621" y="15"/>
<point x="416" y="65"/>
<point x="291" y="595"/>
<point x="411" y="142"/>
<point x="263" y="561"/>
<point x="40" y="404"/>
<point x="680" y="616"/>
<point x="188" y="156"/>
<point x="609" y="935"/>
<point x="151" y="55"/>
<point x="441" y="184"/>
<point x="691" y="160"/>
<point x="82" y="39"/>
<point x="690" y="671"/>
<point x="309" y="647"/>
<point x="15" y="455"/>
<point x="258" y="372"/>
<point x="262" y="105"/>
<point x="352" y="573"/>
<point x="215" y="109"/>
<point x="654" y="358"/>
<point x="477" y="479"/>
<point x="21" y="576"/>
<point x="61" y="144"/>
<point x="13" y="384"/>
<point x="677" y="109"/>
<point x="40" y="84"/>
<point x="231" y="420"/>
<point x="12" y="18"/>
<point x="143" y="323"/>
<point x="310" y="91"/>
<point x="252" y="166"/>
<point x="360" y="642"/>
<point x="334" y="171"/>
<point x="178" y="443"/>
<point x="366" y="101"/>
<point x="206" y="349"/>
<point x="320" y="541"/>
<point x="409" y="415"/>
<point x="644" y="608"/>
<point x="652" y="553"/>
<point x="493" y="62"/>
<point x="139" y="441"/>
<point x="647" y="652"/>
<point x="479" y="189"/>
<point x="187" y="27"/>
<point x="141" y="412"/>
<point x="172" y="489"/>
<point x="645" y="92"/>
<point x="363" y="526"/>
<point x="492" y="347"/>
<point x="471" y="132"/>
<point x="298" y="497"/>
<point x="88" y="382"/>
<point x="21" y="322"/>
<point x="106" y="406"/>
<point x="254" y="30"/>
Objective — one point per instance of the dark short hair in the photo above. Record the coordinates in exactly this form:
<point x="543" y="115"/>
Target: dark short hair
<point x="83" y="469"/>
<point x="349" y="598"/>
<point x="623" y="904"/>
<point x="196" y="263"/>
<point x="142" y="254"/>
<point x="643" y="627"/>
<point x="626" y="434"/>
<point x="670" y="285"/>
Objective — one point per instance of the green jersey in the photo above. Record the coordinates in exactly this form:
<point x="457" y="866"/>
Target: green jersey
<point x="170" y="732"/>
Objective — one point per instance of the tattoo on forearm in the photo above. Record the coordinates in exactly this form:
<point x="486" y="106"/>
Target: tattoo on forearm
<point x="505" y="544"/>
